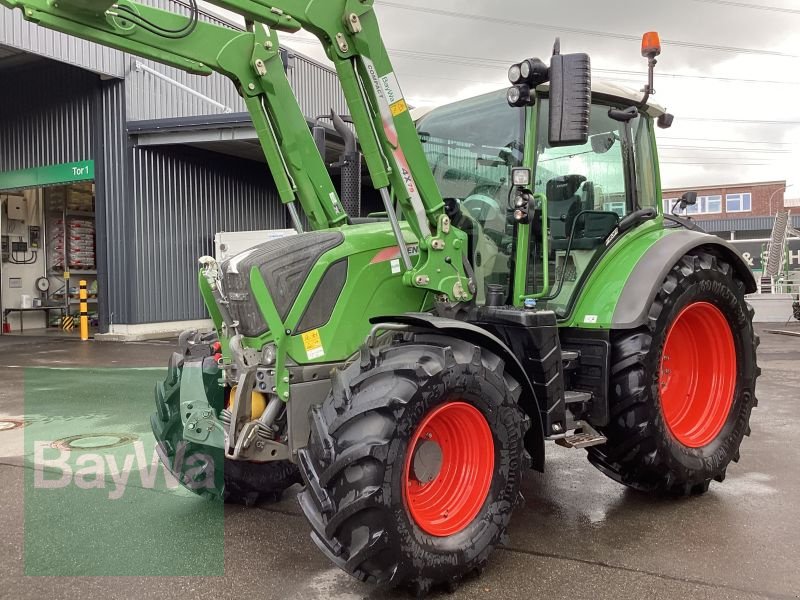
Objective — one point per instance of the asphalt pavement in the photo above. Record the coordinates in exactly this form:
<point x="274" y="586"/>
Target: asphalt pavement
<point x="578" y="535"/>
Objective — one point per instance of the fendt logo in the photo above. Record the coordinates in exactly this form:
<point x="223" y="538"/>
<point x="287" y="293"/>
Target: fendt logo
<point x="57" y="468"/>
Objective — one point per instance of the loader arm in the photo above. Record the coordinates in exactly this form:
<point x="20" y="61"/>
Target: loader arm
<point x="349" y="33"/>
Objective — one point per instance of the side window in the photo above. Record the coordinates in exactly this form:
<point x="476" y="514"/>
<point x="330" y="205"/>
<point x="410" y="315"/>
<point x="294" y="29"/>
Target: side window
<point x="578" y="178"/>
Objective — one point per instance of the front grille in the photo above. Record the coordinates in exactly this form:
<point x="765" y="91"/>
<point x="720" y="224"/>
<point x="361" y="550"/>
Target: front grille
<point x="243" y="306"/>
<point x="284" y="265"/>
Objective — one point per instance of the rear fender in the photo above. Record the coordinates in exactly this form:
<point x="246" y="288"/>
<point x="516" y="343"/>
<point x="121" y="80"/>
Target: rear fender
<point x="622" y="286"/>
<point x="652" y="268"/>
<point x="534" y="440"/>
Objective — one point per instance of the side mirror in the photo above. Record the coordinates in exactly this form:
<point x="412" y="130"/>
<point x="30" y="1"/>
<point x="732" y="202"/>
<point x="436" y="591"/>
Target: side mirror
<point x="602" y="142"/>
<point x="689" y="199"/>
<point x="570" y="99"/>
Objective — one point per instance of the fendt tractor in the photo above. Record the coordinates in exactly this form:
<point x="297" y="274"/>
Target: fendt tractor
<point x="522" y="284"/>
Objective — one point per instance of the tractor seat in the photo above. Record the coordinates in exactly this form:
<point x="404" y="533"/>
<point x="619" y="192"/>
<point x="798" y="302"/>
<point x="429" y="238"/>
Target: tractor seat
<point x="563" y="204"/>
<point x="592" y="230"/>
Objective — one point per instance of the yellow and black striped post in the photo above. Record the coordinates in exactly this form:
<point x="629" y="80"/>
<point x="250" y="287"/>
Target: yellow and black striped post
<point x="84" y="306"/>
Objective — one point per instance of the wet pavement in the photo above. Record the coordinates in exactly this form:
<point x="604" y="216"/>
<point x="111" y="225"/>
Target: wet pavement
<point x="579" y="534"/>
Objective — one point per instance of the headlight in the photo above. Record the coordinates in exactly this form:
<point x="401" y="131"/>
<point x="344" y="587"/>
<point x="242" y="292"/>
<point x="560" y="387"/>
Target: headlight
<point x="525" y="69"/>
<point x="518" y="95"/>
<point x="514" y="74"/>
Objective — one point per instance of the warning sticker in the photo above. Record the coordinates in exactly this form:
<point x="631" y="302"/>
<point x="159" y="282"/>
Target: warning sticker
<point x="395" y="266"/>
<point x="590" y="319"/>
<point x="398" y="108"/>
<point x="313" y="344"/>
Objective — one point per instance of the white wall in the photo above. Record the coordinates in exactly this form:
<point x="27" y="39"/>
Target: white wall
<point x="18" y="230"/>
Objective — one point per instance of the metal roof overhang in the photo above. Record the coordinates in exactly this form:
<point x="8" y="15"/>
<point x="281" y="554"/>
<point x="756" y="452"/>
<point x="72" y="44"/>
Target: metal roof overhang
<point x="742" y="224"/>
<point x="232" y="134"/>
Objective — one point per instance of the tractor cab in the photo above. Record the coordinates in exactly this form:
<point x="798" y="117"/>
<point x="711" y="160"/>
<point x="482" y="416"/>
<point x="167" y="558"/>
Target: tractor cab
<point x="581" y="191"/>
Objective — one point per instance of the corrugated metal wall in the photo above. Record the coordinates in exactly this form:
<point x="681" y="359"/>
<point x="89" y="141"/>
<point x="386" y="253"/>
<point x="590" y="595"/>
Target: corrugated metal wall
<point x="112" y="208"/>
<point x="742" y="223"/>
<point x="18" y="33"/>
<point x="148" y="97"/>
<point x="157" y="208"/>
<point x="48" y="116"/>
<point x="180" y="199"/>
<point x="316" y="87"/>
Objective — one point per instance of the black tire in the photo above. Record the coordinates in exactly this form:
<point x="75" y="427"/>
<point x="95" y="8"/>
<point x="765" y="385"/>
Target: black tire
<point x="251" y="483"/>
<point x="354" y="463"/>
<point x="245" y="483"/>
<point x="641" y="451"/>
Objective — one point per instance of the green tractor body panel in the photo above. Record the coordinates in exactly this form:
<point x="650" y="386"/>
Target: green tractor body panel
<point x="597" y="301"/>
<point x="362" y="275"/>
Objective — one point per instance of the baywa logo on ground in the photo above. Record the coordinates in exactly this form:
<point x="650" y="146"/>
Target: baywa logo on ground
<point x="59" y="468"/>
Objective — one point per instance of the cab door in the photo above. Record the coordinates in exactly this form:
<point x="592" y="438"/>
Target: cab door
<point x="587" y="189"/>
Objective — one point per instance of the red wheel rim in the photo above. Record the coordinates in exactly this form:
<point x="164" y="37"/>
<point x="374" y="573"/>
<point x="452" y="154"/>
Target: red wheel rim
<point x="698" y="374"/>
<point x="453" y="497"/>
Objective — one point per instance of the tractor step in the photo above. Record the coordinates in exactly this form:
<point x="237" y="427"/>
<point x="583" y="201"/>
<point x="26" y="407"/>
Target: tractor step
<point x="571" y="396"/>
<point x="570" y="359"/>
<point x="588" y="436"/>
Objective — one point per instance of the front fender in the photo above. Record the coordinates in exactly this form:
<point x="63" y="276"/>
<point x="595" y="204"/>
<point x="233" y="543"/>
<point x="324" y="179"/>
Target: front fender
<point x="534" y="440"/>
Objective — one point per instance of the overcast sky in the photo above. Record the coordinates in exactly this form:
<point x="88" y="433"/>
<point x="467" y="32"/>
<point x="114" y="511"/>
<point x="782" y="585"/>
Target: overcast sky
<point x="755" y="38"/>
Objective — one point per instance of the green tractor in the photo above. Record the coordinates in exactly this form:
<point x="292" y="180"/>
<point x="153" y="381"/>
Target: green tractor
<point x="522" y="285"/>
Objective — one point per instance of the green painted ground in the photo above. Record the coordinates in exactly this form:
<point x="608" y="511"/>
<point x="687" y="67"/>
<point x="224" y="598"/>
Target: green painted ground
<point x="98" y="501"/>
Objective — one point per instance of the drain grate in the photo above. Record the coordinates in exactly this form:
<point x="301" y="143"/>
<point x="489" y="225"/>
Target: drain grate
<point x="94" y="441"/>
<point x="9" y="424"/>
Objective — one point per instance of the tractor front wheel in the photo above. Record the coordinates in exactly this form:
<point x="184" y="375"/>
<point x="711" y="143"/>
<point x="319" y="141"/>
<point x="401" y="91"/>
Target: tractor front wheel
<point x="414" y="462"/>
<point x="682" y="387"/>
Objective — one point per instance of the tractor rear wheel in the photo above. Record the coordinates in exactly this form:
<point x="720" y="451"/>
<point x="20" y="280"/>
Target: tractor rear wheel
<point x="683" y="386"/>
<point x="414" y="462"/>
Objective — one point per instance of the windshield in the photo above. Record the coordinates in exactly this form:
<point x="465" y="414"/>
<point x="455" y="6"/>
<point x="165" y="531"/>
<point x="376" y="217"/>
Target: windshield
<point x="471" y="147"/>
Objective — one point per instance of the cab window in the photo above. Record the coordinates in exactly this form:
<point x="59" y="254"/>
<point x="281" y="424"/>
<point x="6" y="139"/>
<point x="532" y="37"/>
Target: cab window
<point x="471" y="147"/>
<point x="588" y="177"/>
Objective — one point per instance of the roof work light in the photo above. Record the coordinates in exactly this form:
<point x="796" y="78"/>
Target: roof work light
<point x="524" y="77"/>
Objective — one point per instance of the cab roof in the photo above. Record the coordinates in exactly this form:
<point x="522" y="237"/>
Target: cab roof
<point x="613" y="90"/>
<point x="606" y="89"/>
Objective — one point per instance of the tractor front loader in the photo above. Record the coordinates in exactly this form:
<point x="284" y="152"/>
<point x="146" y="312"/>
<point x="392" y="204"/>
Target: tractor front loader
<point x="522" y="286"/>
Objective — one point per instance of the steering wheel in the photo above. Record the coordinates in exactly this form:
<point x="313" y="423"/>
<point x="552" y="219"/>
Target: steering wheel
<point x="483" y="208"/>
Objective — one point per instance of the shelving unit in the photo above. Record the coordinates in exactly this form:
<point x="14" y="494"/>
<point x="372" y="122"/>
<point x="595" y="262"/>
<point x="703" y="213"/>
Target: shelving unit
<point x="58" y="200"/>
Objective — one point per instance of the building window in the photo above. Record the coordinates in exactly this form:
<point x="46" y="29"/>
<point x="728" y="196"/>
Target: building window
<point x="617" y="207"/>
<point x="713" y="204"/>
<point x="738" y="202"/>
<point x="706" y="205"/>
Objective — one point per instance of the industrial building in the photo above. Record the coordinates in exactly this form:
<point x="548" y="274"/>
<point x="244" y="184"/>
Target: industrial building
<point x="119" y="171"/>
<point x="745" y="214"/>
